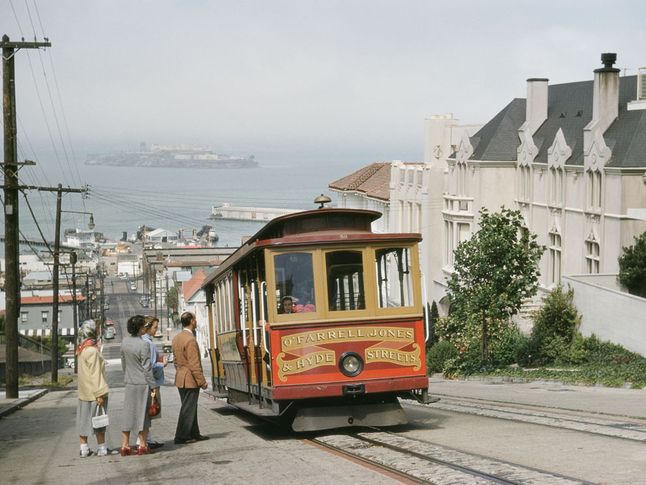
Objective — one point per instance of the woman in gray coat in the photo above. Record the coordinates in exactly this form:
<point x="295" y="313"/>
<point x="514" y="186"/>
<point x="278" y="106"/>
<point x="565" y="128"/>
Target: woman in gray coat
<point x="139" y="385"/>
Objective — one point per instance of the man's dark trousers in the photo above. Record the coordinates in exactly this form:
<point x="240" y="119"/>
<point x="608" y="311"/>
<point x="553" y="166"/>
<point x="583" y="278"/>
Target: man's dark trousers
<point x="187" y="427"/>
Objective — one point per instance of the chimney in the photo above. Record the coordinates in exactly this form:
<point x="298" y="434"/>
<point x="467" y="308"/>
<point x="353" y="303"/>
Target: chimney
<point x="536" y="109"/>
<point x="605" y="100"/>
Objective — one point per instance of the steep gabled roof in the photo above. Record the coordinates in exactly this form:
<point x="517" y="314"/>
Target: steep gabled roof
<point x="569" y="109"/>
<point x="627" y="135"/>
<point x="372" y="180"/>
<point x="498" y="139"/>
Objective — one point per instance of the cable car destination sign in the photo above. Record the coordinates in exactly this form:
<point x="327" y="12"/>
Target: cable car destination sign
<point x="312" y="347"/>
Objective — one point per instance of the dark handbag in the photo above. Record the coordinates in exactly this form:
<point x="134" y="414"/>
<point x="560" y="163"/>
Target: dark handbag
<point x="154" y="408"/>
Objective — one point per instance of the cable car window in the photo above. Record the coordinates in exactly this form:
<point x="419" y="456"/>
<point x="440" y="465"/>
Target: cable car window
<point x="345" y="280"/>
<point x="294" y="283"/>
<point x="394" y="282"/>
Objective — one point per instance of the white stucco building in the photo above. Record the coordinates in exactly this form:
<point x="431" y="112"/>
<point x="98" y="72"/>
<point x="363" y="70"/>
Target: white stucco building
<point x="572" y="158"/>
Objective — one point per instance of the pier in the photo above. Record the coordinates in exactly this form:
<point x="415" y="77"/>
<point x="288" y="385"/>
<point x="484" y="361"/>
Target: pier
<point x="239" y="213"/>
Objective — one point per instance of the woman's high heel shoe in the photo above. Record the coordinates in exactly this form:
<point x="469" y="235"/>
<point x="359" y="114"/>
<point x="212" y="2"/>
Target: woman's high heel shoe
<point x="144" y="450"/>
<point x="124" y="451"/>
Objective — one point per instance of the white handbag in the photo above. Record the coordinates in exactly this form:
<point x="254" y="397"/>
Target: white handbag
<point x="100" y="418"/>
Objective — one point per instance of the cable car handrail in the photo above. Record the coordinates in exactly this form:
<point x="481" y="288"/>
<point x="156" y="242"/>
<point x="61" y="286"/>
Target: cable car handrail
<point x="213" y="321"/>
<point x="243" y="319"/>
<point x="254" y="319"/>
<point x="263" y="286"/>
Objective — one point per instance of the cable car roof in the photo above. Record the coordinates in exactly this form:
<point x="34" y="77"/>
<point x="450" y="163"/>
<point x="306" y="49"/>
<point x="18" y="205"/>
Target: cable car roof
<point x="325" y="225"/>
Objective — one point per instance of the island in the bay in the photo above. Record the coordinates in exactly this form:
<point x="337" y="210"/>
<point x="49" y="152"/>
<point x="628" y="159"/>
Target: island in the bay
<point x="172" y="156"/>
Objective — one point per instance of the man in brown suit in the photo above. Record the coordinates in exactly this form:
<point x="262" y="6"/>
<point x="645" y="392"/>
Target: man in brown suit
<point x="189" y="378"/>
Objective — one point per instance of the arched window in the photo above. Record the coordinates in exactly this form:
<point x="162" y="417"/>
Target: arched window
<point x="524" y="183"/>
<point x="461" y="178"/>
<point x="594" y="189"/>
<point x="592" y="255"/>
<point x="554" y="270"/>
<point x="556" y="186"/>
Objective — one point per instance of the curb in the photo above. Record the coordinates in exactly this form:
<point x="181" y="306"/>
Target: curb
<point x="21" y="402"/>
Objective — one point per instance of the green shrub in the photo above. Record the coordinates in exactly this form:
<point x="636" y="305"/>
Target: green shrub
<point x="607" y="353"/>
<point x="505" y="349"/>
<point x="555" y="326"/>
<point x="632" y="267"/>
<point x="578" y="353"/>
<point x="433" y="317"/>
<point x="438" y="355"/>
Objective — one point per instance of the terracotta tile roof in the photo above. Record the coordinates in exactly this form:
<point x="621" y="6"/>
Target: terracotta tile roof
<point x="41" y="300"/>
<point x="372" y="180"/>
<point x="192" y="286"/>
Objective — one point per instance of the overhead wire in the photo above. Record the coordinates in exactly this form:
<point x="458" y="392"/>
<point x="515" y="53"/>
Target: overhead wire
<point x="38" y="95"/>
<point x="59" y="98"/>
<point x="141" y="208"/>
<point x="28" y="242"/>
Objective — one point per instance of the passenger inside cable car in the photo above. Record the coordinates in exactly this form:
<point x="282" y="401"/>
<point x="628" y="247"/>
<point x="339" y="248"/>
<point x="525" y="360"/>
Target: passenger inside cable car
<point x="286" y="305"/>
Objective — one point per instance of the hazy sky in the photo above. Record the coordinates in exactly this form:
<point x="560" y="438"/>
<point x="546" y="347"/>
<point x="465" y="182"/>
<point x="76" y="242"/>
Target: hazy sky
<point x="327" y="75"/>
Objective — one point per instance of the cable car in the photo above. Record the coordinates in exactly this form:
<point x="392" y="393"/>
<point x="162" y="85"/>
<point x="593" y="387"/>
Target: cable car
<point x="319" y="322"/>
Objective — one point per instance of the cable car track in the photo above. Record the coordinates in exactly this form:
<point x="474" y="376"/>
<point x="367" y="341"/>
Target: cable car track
<point x="420" y="461"/>
<point x="622" y="427"/>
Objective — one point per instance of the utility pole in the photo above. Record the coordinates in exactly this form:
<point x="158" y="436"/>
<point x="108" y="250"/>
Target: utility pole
<point x="57" y="255"/>
<point x="11" y="220"/>
<point x="73" y="259"/>
<point x="102" y="302"/>
<point x="87" y="295"/>
<point x="57" y="249"/>
<point x="55" y="270"/>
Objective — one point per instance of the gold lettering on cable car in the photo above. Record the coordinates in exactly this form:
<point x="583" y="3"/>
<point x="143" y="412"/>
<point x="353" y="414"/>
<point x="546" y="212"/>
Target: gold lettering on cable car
<point x="303" y="363"/>
<point x="350" y="334"/>
<point x="394" y="356"/>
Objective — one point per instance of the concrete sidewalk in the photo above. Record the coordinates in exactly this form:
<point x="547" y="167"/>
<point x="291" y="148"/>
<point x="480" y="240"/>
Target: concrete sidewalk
<point x="40" y="444"/>
<point x="595" y="399"/>
<point x="25" y="396"/>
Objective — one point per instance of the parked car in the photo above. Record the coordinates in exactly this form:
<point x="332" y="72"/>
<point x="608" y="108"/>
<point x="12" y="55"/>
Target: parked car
<point x="109" y="333"/>
<point x="168" y="349"/>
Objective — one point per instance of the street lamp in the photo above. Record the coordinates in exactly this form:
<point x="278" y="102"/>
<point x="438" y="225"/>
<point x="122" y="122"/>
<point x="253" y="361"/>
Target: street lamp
<point x="90" y="224"/>
<point x="55" y="276"/>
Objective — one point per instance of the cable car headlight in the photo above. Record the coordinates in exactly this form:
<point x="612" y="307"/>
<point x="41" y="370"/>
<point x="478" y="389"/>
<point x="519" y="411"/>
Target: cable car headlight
<point x="351" y="364"/>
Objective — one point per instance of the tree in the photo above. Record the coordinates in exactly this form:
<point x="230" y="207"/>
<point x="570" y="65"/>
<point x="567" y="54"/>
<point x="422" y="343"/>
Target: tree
<point x="433" y="317"/>
<point x="632" y="267"/>
<point x="555" y="326"/>
<point x="494" y="272"/>
<point x="172" y="298"/>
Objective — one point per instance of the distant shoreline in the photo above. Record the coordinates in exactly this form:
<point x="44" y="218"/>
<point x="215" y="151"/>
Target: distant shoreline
<point x="215" y="164"/>
<point x="172" y="156"/>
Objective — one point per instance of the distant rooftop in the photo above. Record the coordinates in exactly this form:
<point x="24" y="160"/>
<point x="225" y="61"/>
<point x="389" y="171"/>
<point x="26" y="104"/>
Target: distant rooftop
<point x="372" y="180"/>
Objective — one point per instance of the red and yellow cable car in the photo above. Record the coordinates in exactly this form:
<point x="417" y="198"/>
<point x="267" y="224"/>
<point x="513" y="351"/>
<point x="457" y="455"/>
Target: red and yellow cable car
<point x="318" y="320"/>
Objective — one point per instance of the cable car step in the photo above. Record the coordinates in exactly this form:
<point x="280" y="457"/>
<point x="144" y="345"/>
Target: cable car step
<point x="254" y="408"/>
<point x="216" y="394"/>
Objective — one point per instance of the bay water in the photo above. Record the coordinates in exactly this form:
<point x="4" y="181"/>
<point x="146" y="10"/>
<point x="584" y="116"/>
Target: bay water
<point x="122" y="199"/>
